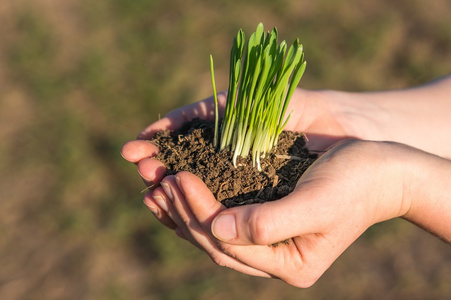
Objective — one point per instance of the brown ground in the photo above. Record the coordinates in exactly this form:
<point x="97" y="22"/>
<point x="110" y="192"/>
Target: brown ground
<point x="191" y="149"/>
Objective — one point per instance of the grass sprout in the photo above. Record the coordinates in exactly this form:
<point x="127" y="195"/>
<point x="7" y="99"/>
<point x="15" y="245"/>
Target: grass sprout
<point x="215" y="141"/>
<point x="262" y="78"/>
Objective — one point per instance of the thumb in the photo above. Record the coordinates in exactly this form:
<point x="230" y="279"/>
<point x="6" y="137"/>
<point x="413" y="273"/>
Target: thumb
<point x="271" y="222"/>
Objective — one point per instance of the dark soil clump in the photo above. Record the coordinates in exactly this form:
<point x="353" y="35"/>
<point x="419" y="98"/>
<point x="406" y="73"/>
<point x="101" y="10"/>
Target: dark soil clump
<point x="191" y="149"/>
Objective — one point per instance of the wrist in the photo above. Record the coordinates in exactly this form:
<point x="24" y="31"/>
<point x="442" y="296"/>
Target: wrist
<point x="372" y="176"/>
<point x="386" y="114"/>
<point x="358" y="117"/>
<point x="427" y="188"/>
<point x="393" y="180"/>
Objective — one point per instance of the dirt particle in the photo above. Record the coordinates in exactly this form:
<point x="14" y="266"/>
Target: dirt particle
<point x="191" y="149"/>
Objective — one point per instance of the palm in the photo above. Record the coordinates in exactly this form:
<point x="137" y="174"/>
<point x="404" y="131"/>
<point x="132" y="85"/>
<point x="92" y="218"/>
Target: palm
<point x="314" y="118"/>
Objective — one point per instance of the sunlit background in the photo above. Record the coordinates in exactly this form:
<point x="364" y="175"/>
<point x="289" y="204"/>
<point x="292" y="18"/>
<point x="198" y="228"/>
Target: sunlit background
<point x="78" y="78"/>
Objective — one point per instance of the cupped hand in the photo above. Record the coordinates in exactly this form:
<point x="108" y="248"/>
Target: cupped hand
<point x="324" y="116"/>
<point x="141" y="152"/>
<point x="351" y="187"/>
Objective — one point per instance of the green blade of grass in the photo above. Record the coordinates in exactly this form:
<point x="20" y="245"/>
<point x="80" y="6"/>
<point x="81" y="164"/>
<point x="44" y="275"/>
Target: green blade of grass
<point x="215" y="140"/>
<point x="263" y="77"/>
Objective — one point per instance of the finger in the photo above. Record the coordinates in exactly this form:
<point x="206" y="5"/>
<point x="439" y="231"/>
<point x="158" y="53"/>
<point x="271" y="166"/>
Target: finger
<point x="204" y="109"/>
<point x="172" y="212"/>
<point x="151" y="170"/>
<point x="298" y="213"/>
<point x="300" y="262"/>
<point x="196" y="230"/>
<point x="284" y="261"/>
<point x="155" y="201"/>
<point x="205" y="210"/>
<point x="160" y="206"/>
<point x="160" y="196"/>
<point x="134" y="151"/>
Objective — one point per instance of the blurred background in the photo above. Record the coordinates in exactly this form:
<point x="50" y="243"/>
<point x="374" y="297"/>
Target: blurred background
<point x="79" y="78"/>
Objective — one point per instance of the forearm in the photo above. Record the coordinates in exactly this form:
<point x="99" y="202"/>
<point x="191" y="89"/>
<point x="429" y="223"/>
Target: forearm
<point x="427" y="189"/>
<point x="418" y="116"/>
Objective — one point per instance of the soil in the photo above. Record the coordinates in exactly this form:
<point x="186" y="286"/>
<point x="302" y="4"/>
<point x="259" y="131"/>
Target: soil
<point x="191" y="149"/>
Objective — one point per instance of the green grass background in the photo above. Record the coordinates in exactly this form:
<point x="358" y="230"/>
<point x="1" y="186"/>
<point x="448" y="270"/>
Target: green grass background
<point x="79" y="78"/>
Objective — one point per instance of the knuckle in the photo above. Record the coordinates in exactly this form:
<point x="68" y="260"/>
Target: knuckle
<point x="302" y="283"/>
<point x="259" y="227"/>
<point x="301" y="273"/>
<point x="303" y="277"/>
<point x="218" y="259"/>
<point x="226" y="249"/>
<point x="186" y="220"/>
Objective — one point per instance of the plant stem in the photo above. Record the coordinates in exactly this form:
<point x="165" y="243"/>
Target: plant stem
<point x="216" y="139"/>
<point x="263" y="76"/>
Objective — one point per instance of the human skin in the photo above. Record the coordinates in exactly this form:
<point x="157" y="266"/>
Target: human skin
<point x="351" y="187"/>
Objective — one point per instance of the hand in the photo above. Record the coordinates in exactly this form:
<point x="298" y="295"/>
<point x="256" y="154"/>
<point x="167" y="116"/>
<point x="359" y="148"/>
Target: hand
<point x="329" y="116"/>
<point x="321" y="114"/>
<point x="353" y="186"/>
<point x="324" y="116"/>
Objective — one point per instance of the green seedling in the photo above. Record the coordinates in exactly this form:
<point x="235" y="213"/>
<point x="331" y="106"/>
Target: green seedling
<point x="262" y="78"/>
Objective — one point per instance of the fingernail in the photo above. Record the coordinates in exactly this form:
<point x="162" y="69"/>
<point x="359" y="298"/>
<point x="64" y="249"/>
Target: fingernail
<point x="224" y="227"/>
<point x="141" y="135"/>
<point x="179" y="184"/>
<point x="143" y="177"/>
<point x="161" y="203"/>
<point x="167" y="190"/>
<point x="152" y="208"/>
